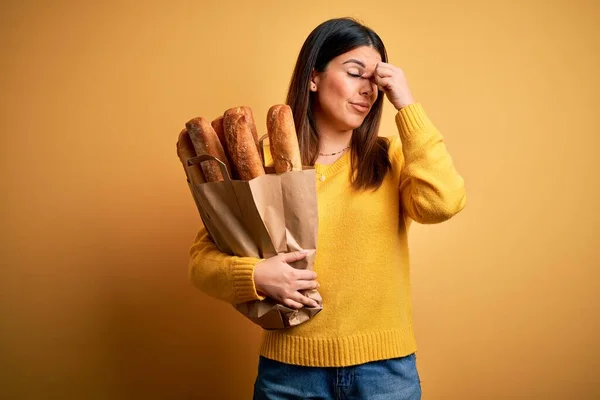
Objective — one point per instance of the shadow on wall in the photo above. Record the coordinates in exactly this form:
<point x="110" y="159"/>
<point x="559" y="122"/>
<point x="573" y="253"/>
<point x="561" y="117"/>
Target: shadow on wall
<point x="163" y="338"/>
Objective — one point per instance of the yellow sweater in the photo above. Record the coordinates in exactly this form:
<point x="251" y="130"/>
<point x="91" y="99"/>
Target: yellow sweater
<point x="362" y="258"/>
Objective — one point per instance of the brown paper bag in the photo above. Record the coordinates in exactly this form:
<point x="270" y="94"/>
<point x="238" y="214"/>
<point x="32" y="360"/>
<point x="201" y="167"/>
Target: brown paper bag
<point x="268" y="215"/>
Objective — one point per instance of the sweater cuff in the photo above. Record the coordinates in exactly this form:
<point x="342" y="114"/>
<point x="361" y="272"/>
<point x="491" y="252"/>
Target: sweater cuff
<point x="411" y="120"/>
<point x="242" y="271"/>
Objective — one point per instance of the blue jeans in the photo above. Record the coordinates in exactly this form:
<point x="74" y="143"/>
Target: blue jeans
<point x="396" y="379"/>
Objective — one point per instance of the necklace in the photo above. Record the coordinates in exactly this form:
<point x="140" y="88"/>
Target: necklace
<point x="323" y="169"/>
<point x="336" y="153"/>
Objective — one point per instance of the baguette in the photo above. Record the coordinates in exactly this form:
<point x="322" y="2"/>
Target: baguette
<point x="185" y="151"/>
<point x="217" y="125"/>
<point x="250" y="118"/>
<point x="240" y="132"/>
<point x="283" y="140"/>
<point x="205" y="141"/>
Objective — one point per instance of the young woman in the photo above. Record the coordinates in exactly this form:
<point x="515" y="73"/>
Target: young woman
<point x="369" y="189"/>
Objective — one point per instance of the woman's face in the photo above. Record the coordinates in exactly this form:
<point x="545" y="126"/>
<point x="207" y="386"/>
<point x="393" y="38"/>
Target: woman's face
<point x="345" y="91"/>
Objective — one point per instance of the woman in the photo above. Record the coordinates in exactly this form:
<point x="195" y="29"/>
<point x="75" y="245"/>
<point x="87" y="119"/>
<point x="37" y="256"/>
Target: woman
<point x="369" y="189"/>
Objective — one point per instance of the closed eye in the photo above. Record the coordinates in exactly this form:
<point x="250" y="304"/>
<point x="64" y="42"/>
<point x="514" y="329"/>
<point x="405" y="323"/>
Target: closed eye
<point x="355" y="75"/>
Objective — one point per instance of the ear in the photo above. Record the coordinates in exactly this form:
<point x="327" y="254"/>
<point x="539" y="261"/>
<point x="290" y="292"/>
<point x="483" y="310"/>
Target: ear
<point x="314" y="81"/>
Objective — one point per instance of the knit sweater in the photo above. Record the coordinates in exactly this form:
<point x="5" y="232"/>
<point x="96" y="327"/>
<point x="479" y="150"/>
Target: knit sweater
<point x="362" y="259"/>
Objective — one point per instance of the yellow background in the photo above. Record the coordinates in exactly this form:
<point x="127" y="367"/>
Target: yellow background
<point x="97" y="218"/>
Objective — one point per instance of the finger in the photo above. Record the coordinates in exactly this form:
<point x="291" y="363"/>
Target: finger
<point x="385" y="65"/>
<point x="306" y="285"/>
<point x="305" y="300"/>
<point x="385" y="83"/>
<point x="305" y="275"/>
<point x="294" y="256"/>
<point x="292" y="304"/>
<point x="377" y="81"/>
<point x="384" y="72"/>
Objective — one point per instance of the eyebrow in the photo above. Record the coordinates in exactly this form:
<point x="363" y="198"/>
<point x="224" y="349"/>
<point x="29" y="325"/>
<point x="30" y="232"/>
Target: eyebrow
<point x="354" y="60"/>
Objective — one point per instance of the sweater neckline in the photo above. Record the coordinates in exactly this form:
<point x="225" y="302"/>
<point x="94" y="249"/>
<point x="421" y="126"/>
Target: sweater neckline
<point x="326" y="170"/>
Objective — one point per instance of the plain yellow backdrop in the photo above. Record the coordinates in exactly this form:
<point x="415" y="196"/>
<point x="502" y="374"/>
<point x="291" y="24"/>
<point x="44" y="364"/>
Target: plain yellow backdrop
<point x="97" y="218"/>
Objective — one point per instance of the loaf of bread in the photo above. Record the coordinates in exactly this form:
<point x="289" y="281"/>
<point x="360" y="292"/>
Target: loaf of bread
<point x="250" y="118"/>
<point x="217" y="125"/>
<point x="240" y="135"/>
<point x="205" y="141"/>
<point x="283" y="140"/>
<point x="185" y="151"/>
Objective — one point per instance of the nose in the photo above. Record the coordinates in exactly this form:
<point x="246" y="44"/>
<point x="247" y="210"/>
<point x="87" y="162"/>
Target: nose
<point x="368" y="87"/>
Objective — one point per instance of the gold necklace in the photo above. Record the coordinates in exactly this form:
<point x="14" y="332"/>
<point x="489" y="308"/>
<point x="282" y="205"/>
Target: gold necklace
<point x="321" y="175"/>
<point x="336" y="153"/>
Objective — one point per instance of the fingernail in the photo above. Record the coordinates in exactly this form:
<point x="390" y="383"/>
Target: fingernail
<point x="304" y="251"/>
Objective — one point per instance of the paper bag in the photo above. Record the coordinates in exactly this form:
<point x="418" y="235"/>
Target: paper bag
<point x="268" y="215"/>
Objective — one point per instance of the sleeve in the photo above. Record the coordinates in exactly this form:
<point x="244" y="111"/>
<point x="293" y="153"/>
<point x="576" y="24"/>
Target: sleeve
<point x="431" y="190"/>
<point x="225" y="277"/>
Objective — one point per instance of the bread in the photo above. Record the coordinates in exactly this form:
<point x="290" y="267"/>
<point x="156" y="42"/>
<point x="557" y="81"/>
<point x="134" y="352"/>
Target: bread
<point x="217" y="125"/>
<point x="185" y="151"/>
<point x="242" y="144"/>
<point x="205" y="141"/>
<point x="250" y="118"/>
<point x="283" y="140"/>
<point x="247" y="111"/>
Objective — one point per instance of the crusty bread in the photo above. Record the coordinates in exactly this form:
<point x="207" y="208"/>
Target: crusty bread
<point x="239" y="131"/>
<point x="250" y="118"/>
<point x="283" y="140"/>
<point x="185" y="151"/>
<point x="205" y="141"/>
<point x="247" y="111"/>
<point x="217" y="125"/>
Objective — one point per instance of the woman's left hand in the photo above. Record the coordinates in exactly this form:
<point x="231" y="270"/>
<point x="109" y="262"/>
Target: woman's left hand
<point x="392" y="82"/>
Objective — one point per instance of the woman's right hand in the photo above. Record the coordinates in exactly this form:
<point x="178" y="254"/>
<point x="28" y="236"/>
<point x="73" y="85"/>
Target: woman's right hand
<point x="282" y="282"/>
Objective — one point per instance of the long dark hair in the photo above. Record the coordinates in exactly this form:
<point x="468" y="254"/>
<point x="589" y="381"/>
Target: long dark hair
<point x="370" y="161"/>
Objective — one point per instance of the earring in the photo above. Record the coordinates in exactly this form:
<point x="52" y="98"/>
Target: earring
<point x="313" y="87"/>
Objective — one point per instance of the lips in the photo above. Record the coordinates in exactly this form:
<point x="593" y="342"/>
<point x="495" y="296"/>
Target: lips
<point x="361" y="107"/>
